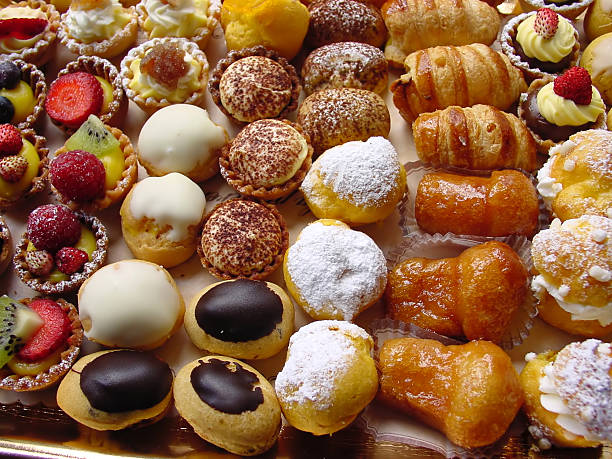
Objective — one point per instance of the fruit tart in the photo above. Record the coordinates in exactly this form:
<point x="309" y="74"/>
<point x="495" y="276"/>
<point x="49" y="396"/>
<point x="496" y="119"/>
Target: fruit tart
<point x="101" y="28"/>
<point x="41" y="340"/>
<point x="95" y="168"/>
<point x="28" y="30"/>
<point x="60" y="249"/>
<point x="23" y="164"/>
<point x="22" y="93"/>
<point x="568" y="8"/>
<point x="5" y="245"/>
<point x="165" y="71"/>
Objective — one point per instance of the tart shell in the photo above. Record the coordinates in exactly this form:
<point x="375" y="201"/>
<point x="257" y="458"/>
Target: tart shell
<point x="5" y="237"/>
<point x="36" y="79"/>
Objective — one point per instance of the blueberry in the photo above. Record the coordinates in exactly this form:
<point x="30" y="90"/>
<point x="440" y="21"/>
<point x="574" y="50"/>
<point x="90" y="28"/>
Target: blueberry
<point x="9" y="74"/>
<point x="6" y="110"/>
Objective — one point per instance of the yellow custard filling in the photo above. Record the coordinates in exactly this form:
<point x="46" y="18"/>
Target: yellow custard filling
<point x="182" y="19"/>
<point x="566" y="112"/>
<point x="9" y="190"/>
<point x="22" y="98"/>
<point x="546" y="49"/>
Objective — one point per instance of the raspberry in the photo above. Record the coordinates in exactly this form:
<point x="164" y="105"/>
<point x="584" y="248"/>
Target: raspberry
<point x="51" y="227"/>
<point x="40" y="262"/>
<point x="574" y="84"/>
<point x="10" y="140"/>
<point x="546" y="22"/>
<point x="53" y="333"/>
<point x="13" y="167"/>
<point x="78" y="175"/>
<point x="70" y="259"/>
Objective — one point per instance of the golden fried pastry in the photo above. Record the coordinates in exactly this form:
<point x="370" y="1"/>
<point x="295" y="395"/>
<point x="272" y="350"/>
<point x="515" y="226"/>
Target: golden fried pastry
<point x="481" y="137"/>
<point x="574" y="282"/>
<point x="568" y="395"/>
<point x="467" y="75"/>
<point x="577" y="178"/>
<point x="470" y="392"/>
<point x="328" y="378"/>
<point x="473" y="295"/>
<point x="505" y="203"/>
<point x="596" y="60"/>
<point x="414" y="25"/>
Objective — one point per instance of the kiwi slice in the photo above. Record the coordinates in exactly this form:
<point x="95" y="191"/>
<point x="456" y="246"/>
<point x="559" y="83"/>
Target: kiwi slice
<point x="17" y="324"/>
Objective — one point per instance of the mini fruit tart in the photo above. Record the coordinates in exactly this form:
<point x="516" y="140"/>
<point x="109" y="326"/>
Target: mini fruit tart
<point x="60" y="249"/>
<point x="570" y="9"/>
<point x="5" y="245"/>
<point x="28" y="30"/>
<point x="23" y="164"/>
<point x="165" y="71"/>
<point x="101" y="28"/>
<point x="41" y="340"/>
<point x="95" y="168"/>
<point x="22" y="93"/>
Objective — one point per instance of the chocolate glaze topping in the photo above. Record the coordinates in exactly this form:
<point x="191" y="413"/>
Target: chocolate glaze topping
<point x="548" y="67"/>
<point x="122" y="381"/>
<point x="239" y="311"/>
<point x="228" y="391"/>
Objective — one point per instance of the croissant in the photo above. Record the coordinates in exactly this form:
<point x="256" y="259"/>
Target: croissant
<point x="473" y="295"/>
<point x="442" y="76"/>
<point x="417" y="24"/>
<point x="501" y="205"/>
<point x="479" y="137"/>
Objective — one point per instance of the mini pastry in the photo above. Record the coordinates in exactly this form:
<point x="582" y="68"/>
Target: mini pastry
<point x="165" y="71"/>
<point x="596" y="59"/>
<point x="268" y="159"/>
<point x="23" y="165"/>
<point x="553" y="110"/>
<point x="254" y="83"/>
<point x="181" y="138"/>
<point x="131" y="304"/>
<point x="101" y="28"/>
<point x="481" y="137"/>
<point x="598" y="19"/>
<point x="192" y="19"/>
<point x="568" y="394"/>
<point x="470" y="392"/>
<point x="501" y="205"/>
<point x="243" y="318"/>
<point x="415" y="25"/>
<point x="229" y="404"/>
<point x="442" y="76"/>
<point x="243" y="238"/>
<point x="60" y="249"/>
<point x="6" y="245"/>
<point x="345" y="65"/>
<point x="356" y="182"/>
<point x="574" y="281"/>
<point x="332" y="117"/>
<point x="334" y="272"/>
<point x="22" y="93"/>
<point x="473" y="295"/>
<point x="41" y="340"/>
<point x="541" y="43"/>
<point x="116" y="389"/>
<point x="161" y="219"/>
<point x="570" y="9"/>
<point x="280" y="25"/>
<point x="577" y="178"/>
<point x="328" y="378"/>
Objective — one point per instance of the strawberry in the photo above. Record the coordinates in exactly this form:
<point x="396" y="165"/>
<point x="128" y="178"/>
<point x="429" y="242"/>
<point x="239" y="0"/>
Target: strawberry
<point x="40" y="262"/>
<point x="10" y="140"/>
<point x="22" y="28"/>
<point x="51" y="227"/>
<point x="53" y="333"/>
<point x="78" y="175"/>
<point x="574" y="84"/>
<point x="69" y="260"/>
<point x="546" y="23"/>
<point x="13" y="167"/>
<point x="73" y="97"/>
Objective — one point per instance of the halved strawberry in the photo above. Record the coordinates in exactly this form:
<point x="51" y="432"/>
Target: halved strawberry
<point x="22" y="28"/>
<point x="73" y="97"/>
<point x="574" y="84"/>
<point x="10" y="140"/>
<point x="546" y="23"/>
<point x="53" y="333"/>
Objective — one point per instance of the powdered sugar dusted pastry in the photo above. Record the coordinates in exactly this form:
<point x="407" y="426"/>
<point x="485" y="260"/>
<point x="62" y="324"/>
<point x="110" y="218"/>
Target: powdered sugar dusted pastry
<point x="334" y="272"/>
<point x="328" y="378"/>
<point x="570" y="9"/>
<point x="568" y="395"/>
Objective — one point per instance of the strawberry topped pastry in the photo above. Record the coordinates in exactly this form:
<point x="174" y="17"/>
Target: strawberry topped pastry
<point x="60" y="249"/>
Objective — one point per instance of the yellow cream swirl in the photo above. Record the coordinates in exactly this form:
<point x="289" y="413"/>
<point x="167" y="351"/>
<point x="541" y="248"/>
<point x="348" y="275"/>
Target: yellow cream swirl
<point x="565" y="112"/>
<point x="180" y="19"/>
<point x="546" y="49"/>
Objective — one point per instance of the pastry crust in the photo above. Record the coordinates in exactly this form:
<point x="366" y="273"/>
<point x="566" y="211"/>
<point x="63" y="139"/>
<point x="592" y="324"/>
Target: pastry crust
<point x="570" y="10"/>
<point x="36" y="79"/>
<point x="7" y="245"/>
<point x="551" y="313"/>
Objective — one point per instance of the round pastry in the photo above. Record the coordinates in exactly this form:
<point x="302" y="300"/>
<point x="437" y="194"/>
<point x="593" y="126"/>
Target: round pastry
<point x="598" y="19"/>
<point x="328" y="378"/>
<point x="268" y="159"/>
<point x="345" y="65"/>
<point x="243" y="318"/>
<point x="116" y="389"/>
<point x="254" y="83"/>
<point x="22" y="93"/>
<point x="571" y="9"/>
<point x="181" y="138"/>
<point x="568" y="395"/>
<point x="229" y="404"/>
<point x="132" y="303"/>
<point x="332" y="117"/>
<point x="5" y="245"/>
<point x="356" y="182"/>
<point x="333" y="21"/>
<point x="161" y="219"/>
<point x="597" y="60"/>
<point x="334" y="272"/>
<point x="243" y="238"/>
<point x="573" y="260"/>
<point x="577" y="178"/>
